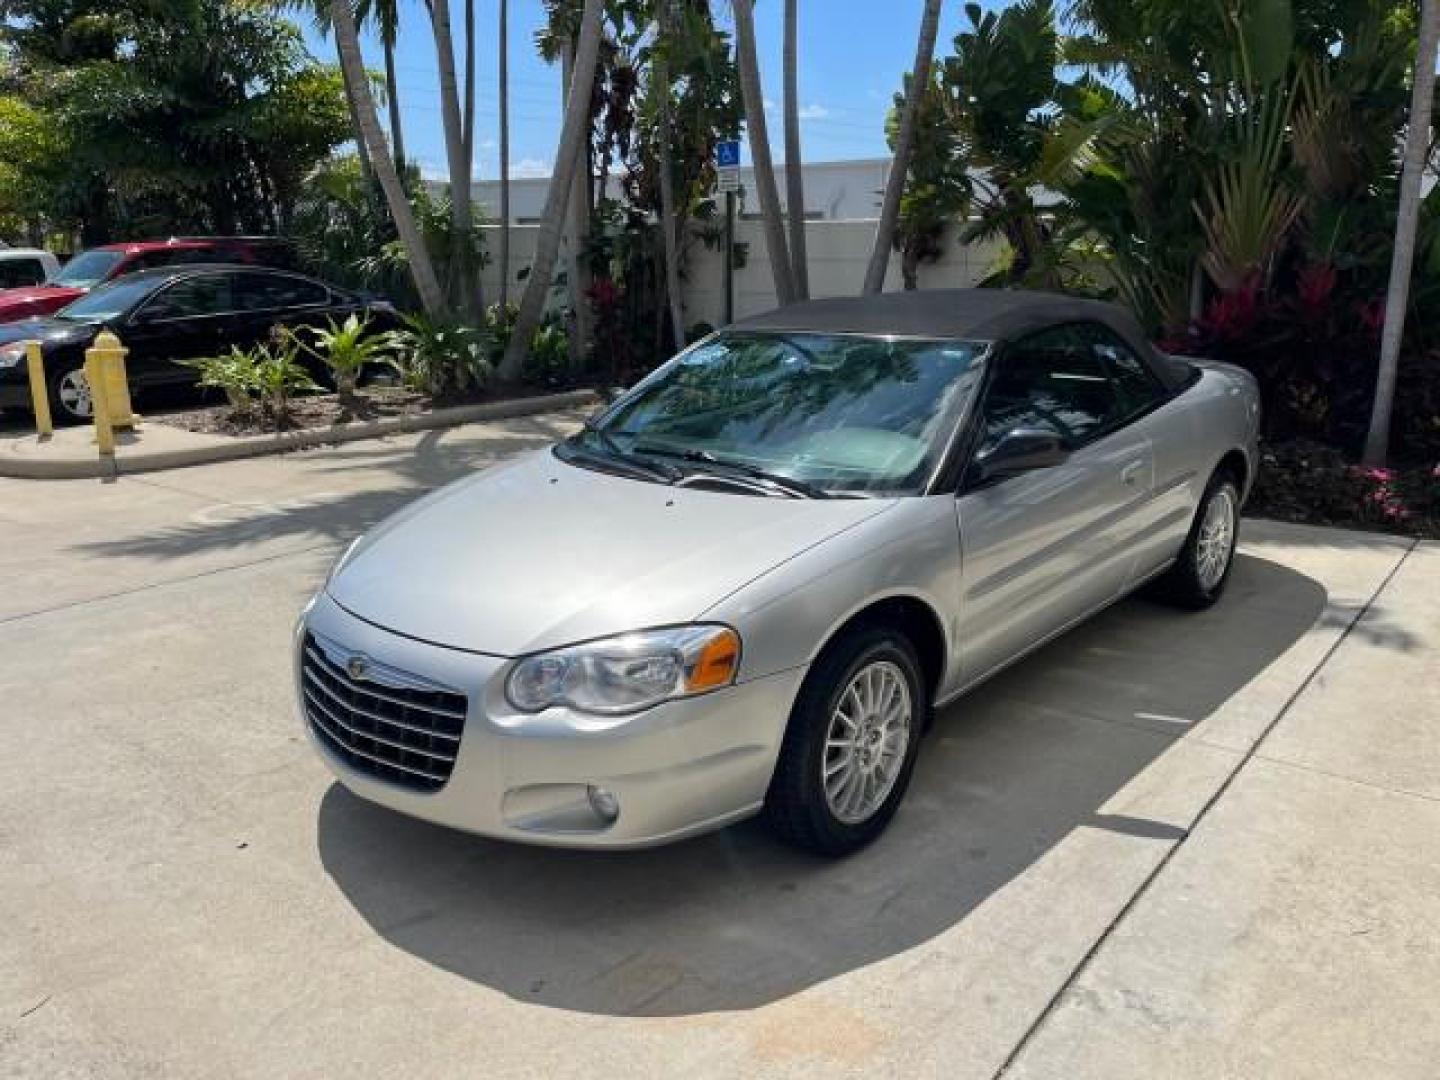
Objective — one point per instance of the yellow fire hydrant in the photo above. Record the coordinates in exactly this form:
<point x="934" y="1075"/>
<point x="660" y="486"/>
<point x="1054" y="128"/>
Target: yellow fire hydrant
<point x="109" y="389"/>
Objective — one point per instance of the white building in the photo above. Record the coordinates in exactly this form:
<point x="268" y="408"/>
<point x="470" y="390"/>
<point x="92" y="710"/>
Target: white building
<point x="834" y="191"/>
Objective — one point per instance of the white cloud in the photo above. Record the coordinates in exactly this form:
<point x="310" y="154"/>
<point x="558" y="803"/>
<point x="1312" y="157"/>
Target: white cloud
<point x="488" y="144"/>
<point x="529" y="168"/>
<point x="812" y="111"/>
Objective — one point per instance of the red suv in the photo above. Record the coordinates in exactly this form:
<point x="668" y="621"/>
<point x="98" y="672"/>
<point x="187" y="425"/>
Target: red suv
<point x="101" y="264"/>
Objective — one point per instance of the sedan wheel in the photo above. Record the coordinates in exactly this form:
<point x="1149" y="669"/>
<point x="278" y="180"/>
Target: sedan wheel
<point x="72" y="400"/>
<point x="1216" y="540"/>
<point x="1203" y="567"/>
<point x="851" y="743"/>
<point x="865" y="747"/>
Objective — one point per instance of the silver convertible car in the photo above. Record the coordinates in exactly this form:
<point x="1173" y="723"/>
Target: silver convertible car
<point x="745" y="586"/>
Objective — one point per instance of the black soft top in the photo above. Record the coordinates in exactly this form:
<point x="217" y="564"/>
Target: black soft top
<point x="993" y="315"/>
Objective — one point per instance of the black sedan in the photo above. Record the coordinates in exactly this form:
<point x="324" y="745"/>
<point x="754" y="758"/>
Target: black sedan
<point x="166" y="317"/>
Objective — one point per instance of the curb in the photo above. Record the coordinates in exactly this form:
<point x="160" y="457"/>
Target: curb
<point x="129" y="461"/>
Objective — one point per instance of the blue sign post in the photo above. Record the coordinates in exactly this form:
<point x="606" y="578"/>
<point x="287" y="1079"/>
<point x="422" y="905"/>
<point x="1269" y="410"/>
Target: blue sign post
<point x="727" y="166"/>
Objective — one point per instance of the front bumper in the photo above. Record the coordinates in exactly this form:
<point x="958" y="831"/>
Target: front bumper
<point x="681" y="768"/>
<point x="14" y="393"/>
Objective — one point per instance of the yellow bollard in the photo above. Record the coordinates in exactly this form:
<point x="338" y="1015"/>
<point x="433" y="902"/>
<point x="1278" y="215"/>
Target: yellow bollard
<point x="109" y="356"/>
<point x="39" y="392"/>
<point x="95" y="375"/>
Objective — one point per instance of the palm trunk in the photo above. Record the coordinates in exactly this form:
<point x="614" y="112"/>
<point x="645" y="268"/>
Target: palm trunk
<point x="1397" y="296"/>
<point x="794" y="165"/>
<point x="669" y="218"/>
<point x="352" y="67"/>
<point x="504" y="152"/>
<point x="572" y="138"/>
<point x="905" y="140"/>
<point x="392" y="95"/>
<point x="577" y="227"/>
<point x="459" y="162"/>
<point x="361" y="150"/>
<point x="754" y="98"/>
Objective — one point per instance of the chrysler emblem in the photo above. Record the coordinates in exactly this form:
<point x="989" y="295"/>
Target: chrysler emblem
<point x="357" y="666"/>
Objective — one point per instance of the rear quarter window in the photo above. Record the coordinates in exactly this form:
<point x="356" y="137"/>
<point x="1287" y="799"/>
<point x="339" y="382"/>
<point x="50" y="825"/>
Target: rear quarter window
<point x="19" y="273"/>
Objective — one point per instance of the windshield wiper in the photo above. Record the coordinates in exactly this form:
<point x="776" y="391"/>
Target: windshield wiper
<point x="612" y="450"/>
<point x="719" y="466"/>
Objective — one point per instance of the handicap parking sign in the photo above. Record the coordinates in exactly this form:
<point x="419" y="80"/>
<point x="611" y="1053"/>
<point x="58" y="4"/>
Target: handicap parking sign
<point x="727" y="154"/>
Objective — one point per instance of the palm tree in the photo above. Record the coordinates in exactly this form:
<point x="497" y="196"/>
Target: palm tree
<point x="387" y="18"/>
<point x="794" y="166"/>
<point x="669" y="218"/>
<point x="454" y="124"/>
<point x="352" y="68"/>
<point x="904" y="141"/>
<point x="1417" y="145"/>
<point x="567" y="157"/>
<point x="504" y="152"/>
<point x="754" y="97"/>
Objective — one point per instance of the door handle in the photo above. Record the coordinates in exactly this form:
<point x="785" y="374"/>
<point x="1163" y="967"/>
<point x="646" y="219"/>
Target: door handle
<point x="1130" y="473"/>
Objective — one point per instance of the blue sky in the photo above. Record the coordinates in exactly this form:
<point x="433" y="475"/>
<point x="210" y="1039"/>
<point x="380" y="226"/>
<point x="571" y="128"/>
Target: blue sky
<point x="852" y="56"/>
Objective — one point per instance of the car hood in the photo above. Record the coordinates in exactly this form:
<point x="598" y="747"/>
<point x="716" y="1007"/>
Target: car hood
<point x="35" y="300"/>
<point x="540" y="553"/>
<point x="49" y="332"/>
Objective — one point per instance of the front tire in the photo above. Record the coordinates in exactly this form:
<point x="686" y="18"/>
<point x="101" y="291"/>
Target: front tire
<point x="1199" y="575"/>
<point x="70" y="399"/>
<point x="851" y="743"/>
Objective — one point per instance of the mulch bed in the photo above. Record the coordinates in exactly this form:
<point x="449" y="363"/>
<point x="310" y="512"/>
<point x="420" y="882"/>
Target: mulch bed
<point x="327" y="410"/>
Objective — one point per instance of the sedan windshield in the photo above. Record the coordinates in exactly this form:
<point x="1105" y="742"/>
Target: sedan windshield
<point x="814" y="412"/>
<point x="87" y="269"/>
<point x="109" y="301"/>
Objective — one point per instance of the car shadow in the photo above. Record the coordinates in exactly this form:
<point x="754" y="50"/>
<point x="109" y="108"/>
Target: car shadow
<point x="734" y="920"/>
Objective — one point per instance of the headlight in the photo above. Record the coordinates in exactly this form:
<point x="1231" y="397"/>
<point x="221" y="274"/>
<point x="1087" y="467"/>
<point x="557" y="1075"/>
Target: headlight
<point x="627" y="673"/>
<point x="10" y="355"/>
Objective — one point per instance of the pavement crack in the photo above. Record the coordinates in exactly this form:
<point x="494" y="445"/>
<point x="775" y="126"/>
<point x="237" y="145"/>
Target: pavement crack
<point x="1312" y="678"/>
<point x="36" y="1007"/>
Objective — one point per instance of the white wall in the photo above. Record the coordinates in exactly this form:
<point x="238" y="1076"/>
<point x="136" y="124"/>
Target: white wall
<point x="834" y="191"/>
<point x="838" y="250"/>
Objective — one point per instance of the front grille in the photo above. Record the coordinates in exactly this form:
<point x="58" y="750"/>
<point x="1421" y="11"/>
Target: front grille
<point x="407" y="735"/>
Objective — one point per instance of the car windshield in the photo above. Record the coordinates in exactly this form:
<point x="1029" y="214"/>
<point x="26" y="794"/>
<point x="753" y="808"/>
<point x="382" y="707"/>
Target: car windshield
<point x="838" y="412"/>
<point x="87" y="269"/>
<point x="109" y="301"/>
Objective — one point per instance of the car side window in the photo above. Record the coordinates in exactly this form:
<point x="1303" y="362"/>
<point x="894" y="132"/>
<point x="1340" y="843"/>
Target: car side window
<point x="1135" y="384"/>
<point x="18" y="273"/>
<point x="1052" y="380"/>
<point x="276" y="292"/>
<point x="193" y="298"/>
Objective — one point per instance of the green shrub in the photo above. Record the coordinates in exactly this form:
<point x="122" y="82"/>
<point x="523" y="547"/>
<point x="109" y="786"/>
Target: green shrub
<point x="279" y="373"/>
<point x="548" y="361"/>
<point x="346" y="349"/>
<point x="440" y="356"/>
<point x="235" y="372"/>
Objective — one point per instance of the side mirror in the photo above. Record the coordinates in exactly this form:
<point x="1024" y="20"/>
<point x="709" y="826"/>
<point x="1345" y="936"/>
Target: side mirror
<point x="1020" y="450"/>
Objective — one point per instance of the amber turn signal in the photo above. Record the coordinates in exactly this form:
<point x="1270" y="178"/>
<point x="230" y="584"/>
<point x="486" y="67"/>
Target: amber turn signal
<point x="716" y="664"/>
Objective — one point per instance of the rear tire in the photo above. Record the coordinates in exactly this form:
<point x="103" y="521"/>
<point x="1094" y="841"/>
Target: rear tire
<point x="851" y="743"/>
<point x="1202" y="570"/>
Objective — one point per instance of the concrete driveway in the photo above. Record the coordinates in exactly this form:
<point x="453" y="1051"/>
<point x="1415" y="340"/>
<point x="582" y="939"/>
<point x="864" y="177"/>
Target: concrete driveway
<point x="1166" y="845"/>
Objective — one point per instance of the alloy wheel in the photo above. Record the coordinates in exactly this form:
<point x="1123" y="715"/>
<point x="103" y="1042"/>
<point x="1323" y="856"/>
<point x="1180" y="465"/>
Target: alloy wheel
<point x="866" y="742"/>
<point x="73" y="390"/>
<point x="1216" y="539"/>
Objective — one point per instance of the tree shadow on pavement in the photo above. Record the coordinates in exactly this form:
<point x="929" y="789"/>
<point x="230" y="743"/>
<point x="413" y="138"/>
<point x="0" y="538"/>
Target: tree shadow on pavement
<point x="734" y="920"/>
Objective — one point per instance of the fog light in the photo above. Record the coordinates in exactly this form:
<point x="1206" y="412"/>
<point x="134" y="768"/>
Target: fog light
<point x="604" y="803"/>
